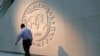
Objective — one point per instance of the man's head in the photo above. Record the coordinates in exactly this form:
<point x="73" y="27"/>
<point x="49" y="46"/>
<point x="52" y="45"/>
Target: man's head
<point x="22" y="26"/>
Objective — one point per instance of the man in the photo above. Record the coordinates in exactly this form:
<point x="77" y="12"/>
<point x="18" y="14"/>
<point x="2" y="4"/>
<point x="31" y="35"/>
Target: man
<point x="26" y="35"/>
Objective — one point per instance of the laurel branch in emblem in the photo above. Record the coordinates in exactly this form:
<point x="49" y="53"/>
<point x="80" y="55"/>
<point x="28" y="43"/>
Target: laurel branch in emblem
<point x="40" y="19"/>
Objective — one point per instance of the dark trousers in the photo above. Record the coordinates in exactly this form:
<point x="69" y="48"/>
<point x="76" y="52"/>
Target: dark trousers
<point x="26" y="46"/>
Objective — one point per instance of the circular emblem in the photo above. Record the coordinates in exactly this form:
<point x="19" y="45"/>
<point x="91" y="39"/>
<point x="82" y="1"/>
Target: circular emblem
<point x="40" y="19"/>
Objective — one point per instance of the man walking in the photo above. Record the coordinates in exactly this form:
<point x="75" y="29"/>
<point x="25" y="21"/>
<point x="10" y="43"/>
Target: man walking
<point x="26" y="35"/>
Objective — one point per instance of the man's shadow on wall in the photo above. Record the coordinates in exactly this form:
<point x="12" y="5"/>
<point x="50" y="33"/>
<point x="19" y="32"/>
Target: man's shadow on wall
<point x="62" y="52"/>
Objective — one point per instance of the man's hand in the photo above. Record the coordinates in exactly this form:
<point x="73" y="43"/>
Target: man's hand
<point x="16" y="43"/>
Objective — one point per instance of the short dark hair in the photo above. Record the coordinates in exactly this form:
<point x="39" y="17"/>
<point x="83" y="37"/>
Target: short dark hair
<point x="22" y="25"/>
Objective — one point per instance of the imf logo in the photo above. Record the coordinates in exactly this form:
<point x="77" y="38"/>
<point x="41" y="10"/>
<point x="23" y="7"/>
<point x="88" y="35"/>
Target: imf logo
<point x="40" y="19"/>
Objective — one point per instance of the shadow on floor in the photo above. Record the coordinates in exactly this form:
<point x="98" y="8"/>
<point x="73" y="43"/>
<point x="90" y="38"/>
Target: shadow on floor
<point x="62" y="52"/>
<point x="37" y="55"/>
<point x="20" y="53"/>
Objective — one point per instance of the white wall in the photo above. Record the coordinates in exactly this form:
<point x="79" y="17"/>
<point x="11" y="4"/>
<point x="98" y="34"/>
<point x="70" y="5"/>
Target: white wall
<point x="85" y="16"/>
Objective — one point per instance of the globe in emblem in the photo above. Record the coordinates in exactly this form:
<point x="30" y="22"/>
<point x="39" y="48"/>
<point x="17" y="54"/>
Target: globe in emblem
<point x="40" y="19"/>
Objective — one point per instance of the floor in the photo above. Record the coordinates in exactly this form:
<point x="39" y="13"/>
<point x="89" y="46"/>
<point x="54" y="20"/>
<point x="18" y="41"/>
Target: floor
<point x="13" y="54"/>
<point x="9" y="54"/>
